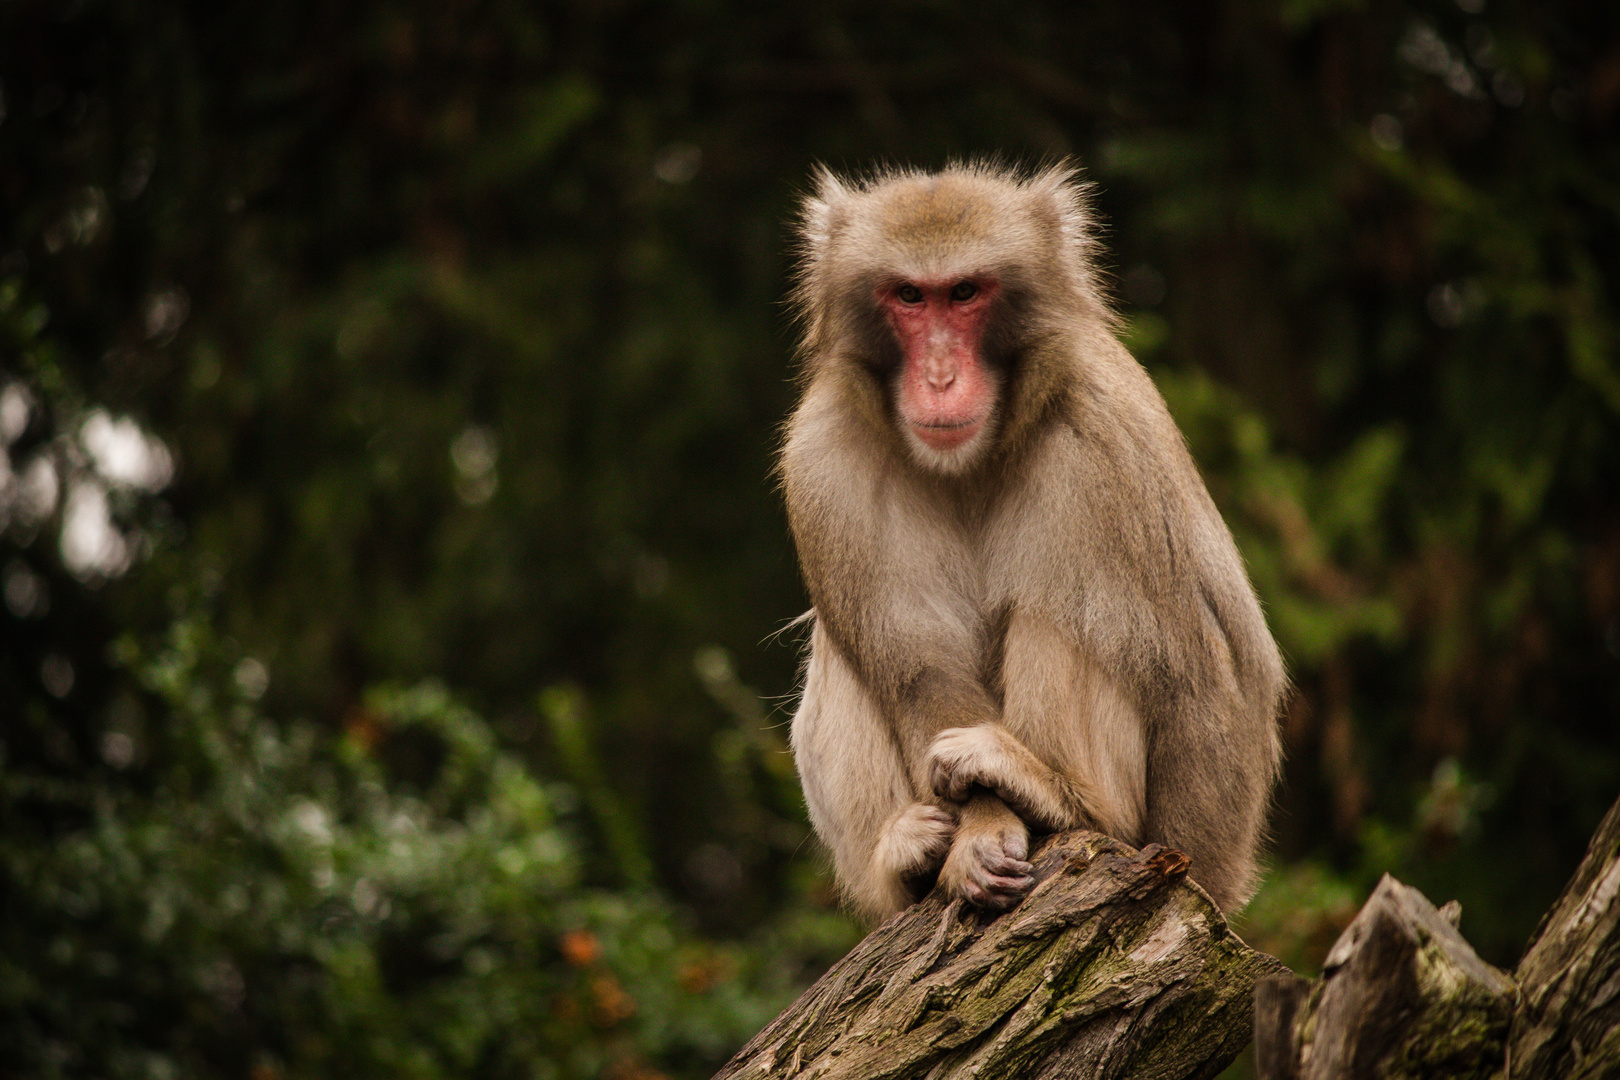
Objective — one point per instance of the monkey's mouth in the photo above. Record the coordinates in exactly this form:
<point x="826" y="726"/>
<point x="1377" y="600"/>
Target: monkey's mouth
<point x="946" y="434"/>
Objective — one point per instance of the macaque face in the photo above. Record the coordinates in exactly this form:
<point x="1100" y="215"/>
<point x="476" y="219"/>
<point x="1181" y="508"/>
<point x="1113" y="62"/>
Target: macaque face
<point x="946" y="393"/>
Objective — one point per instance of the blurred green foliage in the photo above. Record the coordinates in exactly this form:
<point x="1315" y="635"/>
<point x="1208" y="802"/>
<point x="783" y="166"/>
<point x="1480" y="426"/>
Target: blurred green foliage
<point x="401" y="898"/>
<point x="460" y="327"/>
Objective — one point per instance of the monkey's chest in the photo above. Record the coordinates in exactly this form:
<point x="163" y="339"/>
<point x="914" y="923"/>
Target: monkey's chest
<point x="952" y="603"/>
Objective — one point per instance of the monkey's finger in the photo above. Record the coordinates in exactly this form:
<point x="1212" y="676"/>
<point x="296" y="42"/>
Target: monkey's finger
<point x="948" y="783"/>
<point x="1004" y="892"/>
<point x="1008" y="867"/>
<point x="995" y="872"/>
<point x="1004" y="882"/>
<point x="962" y="782"/>
<point x="988" y="897"/>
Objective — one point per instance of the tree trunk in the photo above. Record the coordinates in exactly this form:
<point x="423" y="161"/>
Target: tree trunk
<point x="1568" y="1024"/>
<point x="1115" y="965"/>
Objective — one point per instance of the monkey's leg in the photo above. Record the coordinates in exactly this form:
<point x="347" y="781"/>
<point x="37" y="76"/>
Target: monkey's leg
<point x="986" y="865"/>
<point x="886" y="844"/>
<point x="1069" y="749"/>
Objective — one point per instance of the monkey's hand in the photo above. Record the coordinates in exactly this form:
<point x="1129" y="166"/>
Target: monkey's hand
<point x="962" y="757"/>
<point x="990" y="757"/>
<point x="986" y="865"/>
<point x="915" y="842"/>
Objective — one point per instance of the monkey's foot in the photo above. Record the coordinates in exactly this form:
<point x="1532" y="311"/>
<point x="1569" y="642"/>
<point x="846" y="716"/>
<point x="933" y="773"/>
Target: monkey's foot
<point x="987" y="868"/>
<point x="916" y="841"/>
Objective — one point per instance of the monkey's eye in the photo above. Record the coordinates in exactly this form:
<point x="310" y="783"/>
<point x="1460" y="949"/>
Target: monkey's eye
<point x="964" y="290"/>
<point x="909" y="294"/>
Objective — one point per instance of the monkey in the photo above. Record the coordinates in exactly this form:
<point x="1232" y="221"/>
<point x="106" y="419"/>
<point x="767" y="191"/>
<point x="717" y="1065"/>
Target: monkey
<point x="1027" y="613"/>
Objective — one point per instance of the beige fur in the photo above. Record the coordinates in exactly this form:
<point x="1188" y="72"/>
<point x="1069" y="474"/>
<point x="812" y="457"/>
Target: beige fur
<point x="1048" y="626"/>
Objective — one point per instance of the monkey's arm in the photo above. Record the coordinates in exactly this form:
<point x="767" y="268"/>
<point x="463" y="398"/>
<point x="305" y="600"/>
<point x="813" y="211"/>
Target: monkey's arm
<point x="885" y="843"/>
<point x="1069" y="749"/>
<point x="896" y="658"/>
<point x="1210" y="769"/>
<point x="886" y="862"/>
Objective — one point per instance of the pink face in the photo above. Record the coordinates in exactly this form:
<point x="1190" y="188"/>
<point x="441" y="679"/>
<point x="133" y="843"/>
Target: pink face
<point x="946" y="392"/>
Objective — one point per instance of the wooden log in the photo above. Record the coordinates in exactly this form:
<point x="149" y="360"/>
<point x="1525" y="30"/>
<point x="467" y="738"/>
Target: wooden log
<point x="1568" y="1025"/>
<point x="1278" y="1000"/>
<point x="1401" y="995"/>
<point x="1115" y="965"/>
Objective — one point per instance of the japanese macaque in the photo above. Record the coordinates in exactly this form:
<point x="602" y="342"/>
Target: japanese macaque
<point x="1028" y="614"/>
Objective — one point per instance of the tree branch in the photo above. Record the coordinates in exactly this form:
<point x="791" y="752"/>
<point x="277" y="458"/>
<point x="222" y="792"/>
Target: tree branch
<point x="1115" y="965"/>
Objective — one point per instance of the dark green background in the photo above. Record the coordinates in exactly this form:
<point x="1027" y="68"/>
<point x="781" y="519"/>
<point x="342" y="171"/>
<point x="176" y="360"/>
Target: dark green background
<point x="514" y="800"/>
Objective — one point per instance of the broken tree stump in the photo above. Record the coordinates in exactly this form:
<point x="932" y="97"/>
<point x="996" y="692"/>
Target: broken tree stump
<point x="1401" y="995"/>
<point x="1568" y="1024"/>
<point x="1115" y="965"/>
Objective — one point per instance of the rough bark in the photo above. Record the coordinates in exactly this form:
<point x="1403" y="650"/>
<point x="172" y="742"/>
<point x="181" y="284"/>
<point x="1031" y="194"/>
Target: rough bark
<point x="1401" y="995"/>
<point x="1115" y="965"/>
<point x="1277" y="1003"/>
<point x="1568" y="1024"/>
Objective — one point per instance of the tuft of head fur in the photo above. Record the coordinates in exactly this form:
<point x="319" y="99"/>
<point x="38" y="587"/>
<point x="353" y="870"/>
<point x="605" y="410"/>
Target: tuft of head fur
<point x="969" y="217"/>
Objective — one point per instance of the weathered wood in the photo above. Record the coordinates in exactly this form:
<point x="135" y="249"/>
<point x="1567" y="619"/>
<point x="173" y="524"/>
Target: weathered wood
<point x="1277" y="1001"/>
<point x="1568" y="1025"/>
<point x="1115" y="965"/>
<point x="1401" y="995"/>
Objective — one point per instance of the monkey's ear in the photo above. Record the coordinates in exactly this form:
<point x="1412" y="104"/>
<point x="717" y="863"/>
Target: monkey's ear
<point x="1067" y="198"/>
<point x="822" y="210"/>
<point x="1063" y="200"/>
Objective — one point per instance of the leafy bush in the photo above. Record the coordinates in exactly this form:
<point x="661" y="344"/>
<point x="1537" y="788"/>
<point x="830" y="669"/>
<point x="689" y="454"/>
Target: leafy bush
<point x="236" y="896"/>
